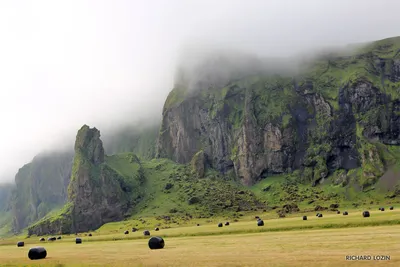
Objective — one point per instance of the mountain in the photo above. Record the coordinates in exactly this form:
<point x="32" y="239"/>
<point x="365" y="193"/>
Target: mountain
<point x="108" y="188"/>
<point x="338" y="115"/>
<point x="237" y="133"/>
<point x="40" y="187"/>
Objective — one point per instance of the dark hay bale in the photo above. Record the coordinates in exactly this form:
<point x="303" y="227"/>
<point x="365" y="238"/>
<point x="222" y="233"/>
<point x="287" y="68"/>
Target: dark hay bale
<point x="20" y="244"/>
<point x="134" y="230"/>
<point x="317" y="214"/>
<point x="126" y="232"/>
<point x="53" y="238"/>
<point x="146" y="232"/>
<point x="156" y="229"/>
<point x="198" y="224"/>
<point x="345" y="213"/>
<point x="382" y="209"/>
<point x="37" y="253"/>
<point x="156" y="242"/>
<point x="42" y="239"/>
<point x="338" y="212"/>
<point x="59" y="237"/>
<point x="226" y="223"/>
<point x="260" y="223"/>
<point x="304" y="218"/>
<point x="320" y="215"/>
<point x="391" y="208"/>
<point x="365" y="214"/>
<point x="220" y="225"/>
<point x="78" y="240"/>
<point x="90" y="234"/>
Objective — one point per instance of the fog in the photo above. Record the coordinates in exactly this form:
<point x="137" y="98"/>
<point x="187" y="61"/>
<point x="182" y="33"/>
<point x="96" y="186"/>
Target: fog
<point x="111" y="63"/>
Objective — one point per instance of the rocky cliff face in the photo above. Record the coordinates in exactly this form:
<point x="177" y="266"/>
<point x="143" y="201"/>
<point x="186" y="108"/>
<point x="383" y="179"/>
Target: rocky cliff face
<point x="97" y="194"/>
<point x="40" y="186"/>
<point x="340" y="113"/>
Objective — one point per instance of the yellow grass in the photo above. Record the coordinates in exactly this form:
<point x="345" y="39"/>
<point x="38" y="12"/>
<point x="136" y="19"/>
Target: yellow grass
<point x="294" y="248"/>
<point x="234" y="245"/>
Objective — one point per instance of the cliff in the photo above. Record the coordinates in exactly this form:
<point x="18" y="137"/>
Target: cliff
<point x="40" y="187"/>
<point x="339" y="113"/>
<point x="97" y="193"/>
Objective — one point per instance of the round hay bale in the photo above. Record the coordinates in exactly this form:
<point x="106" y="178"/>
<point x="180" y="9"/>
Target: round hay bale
<point x="42" y="239"/>
<point x="146" y="232"/>
<point x="53" y="238"/>
<point x="260" y="223"/>
<point x="37" y="253"/>
<point x="78" y="240"/>
<point x="365" y="214"/>
<point x="20" y="244"/>
<point x="220" y="225"/>
<point x="198" y="224"/>
<point x="391" y="208"/>
<point x="382" y="209"/>
<point x="134" y="229"/>
<point x="304" y="218"/>
<point x="90" y="234"/>
<point x="317" y="214"/>
<point x="338" y="212"/>
<point x="345" y="213"/>
<point x="156" y="242"/>
<point x="226" y="223"/>
<point x="59" y="237"/>
<point x="156" y="229"/>
<point x="320" y="215"/>
<point x="126" y="232"/>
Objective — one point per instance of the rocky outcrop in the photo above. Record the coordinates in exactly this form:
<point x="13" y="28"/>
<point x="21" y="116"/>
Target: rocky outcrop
<point x="199" y="164"/>
<point x="317" y="122"/>
<point x="97" y="194"/>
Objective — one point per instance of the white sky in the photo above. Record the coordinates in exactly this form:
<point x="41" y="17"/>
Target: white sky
<point x="103" y="63"/>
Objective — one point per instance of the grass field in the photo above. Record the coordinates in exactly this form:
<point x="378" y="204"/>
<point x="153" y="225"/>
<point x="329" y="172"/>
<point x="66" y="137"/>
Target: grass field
<point x="280" y="242"/>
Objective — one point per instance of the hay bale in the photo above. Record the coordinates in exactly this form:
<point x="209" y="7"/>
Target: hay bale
<point x="198" y="224"/>
<point x="320" y="215"/>
<point x="338" y="212"/>
<point x="53" y="238"/>
<point x="126" y="232"/>
<point x="365" y="214"/>
<point x="156" y="242"/>
<point x="90" y="234"/>
<point x="226" y="223"/>
<point x="260" y="223"/>
<point x="220" y="225"/>
<point x="317" y="214"/>
<point x="134" y="229"/>
<point x="59" y="237"/>
<point x="345" y="213"/>
<point x="146" y="232"/>
<point x="20" y="244"/>
<point x="391" y="208"/>
<point x="382" y="209"/>
<point x="37" y="253"/>
<point x="304" y="218"/>
<point x="156" y="229"/>
<point x="42" y="239"/>
<point x="78" y="240"/>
